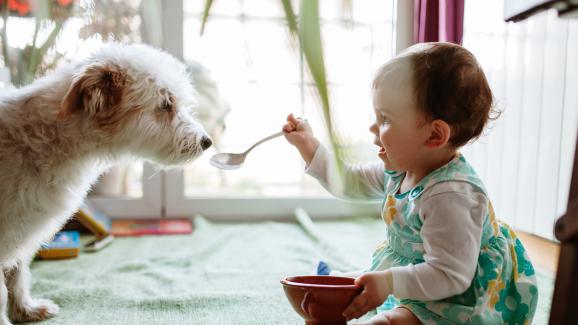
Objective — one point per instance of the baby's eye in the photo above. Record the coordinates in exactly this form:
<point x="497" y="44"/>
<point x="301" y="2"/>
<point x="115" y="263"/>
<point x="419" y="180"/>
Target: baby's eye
<point x="383" y="119"/>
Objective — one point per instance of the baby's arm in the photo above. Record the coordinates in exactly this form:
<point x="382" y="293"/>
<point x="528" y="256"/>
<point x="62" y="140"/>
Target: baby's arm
<point x="361" y="181"/>
<point x="453" y="215"/>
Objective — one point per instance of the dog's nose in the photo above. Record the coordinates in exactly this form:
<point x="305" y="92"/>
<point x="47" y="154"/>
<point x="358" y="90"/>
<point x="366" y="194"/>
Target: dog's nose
<point x="206" y="142"/>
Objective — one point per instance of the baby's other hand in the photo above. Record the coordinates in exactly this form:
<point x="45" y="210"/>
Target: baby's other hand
<point x="377" y="286"/>
<point x="297" y="131"/>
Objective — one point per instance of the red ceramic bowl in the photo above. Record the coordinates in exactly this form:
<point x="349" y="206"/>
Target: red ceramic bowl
<point x="320" y="299"/>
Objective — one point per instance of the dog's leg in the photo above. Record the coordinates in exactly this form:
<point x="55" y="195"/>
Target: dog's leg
<point x="23" y="307"/>
<point x="3" y="300"/>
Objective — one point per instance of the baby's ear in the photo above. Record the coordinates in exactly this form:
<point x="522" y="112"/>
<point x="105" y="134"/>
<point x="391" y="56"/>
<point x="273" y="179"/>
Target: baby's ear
<point x="440" y="134"/>
<point x="97" y="89"/>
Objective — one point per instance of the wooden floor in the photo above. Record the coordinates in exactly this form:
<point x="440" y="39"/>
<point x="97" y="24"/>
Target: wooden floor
<point x="543" y="253"/>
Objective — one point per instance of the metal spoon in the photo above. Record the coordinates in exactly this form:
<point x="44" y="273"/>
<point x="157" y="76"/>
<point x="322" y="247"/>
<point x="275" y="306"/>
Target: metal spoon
<point x="231" y="161"/>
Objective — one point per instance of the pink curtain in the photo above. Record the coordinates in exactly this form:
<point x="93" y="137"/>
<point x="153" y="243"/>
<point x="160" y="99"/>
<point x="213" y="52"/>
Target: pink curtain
<point x="438" y="20"/>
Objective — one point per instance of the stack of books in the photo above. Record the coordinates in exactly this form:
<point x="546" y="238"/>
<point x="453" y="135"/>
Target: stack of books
<point x="66" y="243"/>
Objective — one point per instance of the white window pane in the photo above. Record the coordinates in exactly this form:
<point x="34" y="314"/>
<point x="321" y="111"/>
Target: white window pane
<point x="262" y="77"/>
<point x="348" y="53"/>
<point x="217" y="49"/>
<point x="258" y="110"/>
<point x="353" y="115"/>
<point x="124" y="181"/>
<point x="333" y="10"/>
<point x="261" y="9"/>
<point x="218" y="8"/>
<point x="269" y="53"/>
<point x="372" y="11"/>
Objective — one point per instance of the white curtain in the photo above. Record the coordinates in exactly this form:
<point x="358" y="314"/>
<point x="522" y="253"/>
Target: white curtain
<point x="526" y="156"/>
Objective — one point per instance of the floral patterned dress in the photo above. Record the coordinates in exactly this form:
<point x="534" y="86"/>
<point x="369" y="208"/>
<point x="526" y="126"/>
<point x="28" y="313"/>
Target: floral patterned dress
<point x="503" y="290"/>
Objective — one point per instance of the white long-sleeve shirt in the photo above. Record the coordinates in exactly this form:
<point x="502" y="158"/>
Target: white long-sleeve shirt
<point x="453" y="214"/>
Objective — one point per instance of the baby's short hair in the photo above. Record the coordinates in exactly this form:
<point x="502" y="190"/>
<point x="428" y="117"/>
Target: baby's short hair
<point x="450" y="85"/>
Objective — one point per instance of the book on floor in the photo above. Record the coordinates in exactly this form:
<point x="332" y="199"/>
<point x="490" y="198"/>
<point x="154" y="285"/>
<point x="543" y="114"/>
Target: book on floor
<point x="65" y="244"/>
<point x="138" y="227"/>
<point x="89" y="219"/>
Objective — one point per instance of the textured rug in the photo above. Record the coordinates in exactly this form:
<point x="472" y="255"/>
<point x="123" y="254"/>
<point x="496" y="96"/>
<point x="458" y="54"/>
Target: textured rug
<point x="221" y="274"/>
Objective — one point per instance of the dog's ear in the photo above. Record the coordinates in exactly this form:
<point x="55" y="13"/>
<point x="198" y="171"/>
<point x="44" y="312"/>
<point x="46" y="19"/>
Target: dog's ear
<point x="97" y="89"/>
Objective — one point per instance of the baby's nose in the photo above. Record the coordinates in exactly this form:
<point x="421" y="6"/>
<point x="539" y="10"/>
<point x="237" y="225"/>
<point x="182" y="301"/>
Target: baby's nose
<point x="206" y="142"/>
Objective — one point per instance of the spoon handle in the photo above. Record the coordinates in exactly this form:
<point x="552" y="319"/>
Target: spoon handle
<point x="273" y="136"/>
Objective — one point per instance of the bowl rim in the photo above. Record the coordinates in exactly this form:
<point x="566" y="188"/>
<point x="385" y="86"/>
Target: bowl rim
<point x="287" y="281"/>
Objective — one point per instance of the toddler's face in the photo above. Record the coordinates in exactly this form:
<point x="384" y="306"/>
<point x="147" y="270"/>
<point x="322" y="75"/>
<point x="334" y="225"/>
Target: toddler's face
<point x="399" y="127"/>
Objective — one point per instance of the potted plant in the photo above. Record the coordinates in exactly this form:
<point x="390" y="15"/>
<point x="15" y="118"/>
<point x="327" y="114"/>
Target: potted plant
<point x="35" y="58"/>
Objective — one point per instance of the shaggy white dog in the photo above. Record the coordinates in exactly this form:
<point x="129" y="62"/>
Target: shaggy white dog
<point x="60" y="133"/>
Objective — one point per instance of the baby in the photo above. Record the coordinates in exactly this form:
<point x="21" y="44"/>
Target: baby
<point x="446" y="258"/>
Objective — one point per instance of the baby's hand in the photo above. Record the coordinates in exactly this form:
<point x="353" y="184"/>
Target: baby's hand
<point x="377" y="286"/>
<point x="297" y="131"/>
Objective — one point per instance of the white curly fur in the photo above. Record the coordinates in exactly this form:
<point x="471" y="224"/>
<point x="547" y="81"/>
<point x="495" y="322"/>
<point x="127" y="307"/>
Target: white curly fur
<point x="60" y="133"/>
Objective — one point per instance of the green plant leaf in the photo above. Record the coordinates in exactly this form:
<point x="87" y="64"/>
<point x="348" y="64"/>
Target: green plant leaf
<point x="39" y="53"/>
<point x="311" y="45"/>
<point x="310" y="38"/>
<point x="290" y="16"/>
<point x="34" y="54"/>
<point x="208" y="4"/>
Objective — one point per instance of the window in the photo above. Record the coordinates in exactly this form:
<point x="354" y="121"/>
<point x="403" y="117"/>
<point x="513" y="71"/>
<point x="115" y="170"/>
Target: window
<point x="247" y="49"/>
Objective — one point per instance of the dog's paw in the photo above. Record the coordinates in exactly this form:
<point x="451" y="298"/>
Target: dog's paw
<point x="36" y="310"/>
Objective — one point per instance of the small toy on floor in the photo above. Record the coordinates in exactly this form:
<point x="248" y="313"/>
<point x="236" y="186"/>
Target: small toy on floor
<point x="323" y="268"/>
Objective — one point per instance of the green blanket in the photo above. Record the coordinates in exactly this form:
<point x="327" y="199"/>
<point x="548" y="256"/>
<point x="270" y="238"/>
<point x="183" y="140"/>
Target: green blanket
<point x="221" y="274"/>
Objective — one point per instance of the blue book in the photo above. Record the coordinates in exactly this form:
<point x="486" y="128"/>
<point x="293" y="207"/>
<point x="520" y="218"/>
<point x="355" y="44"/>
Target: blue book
<point x="65" y="244"/>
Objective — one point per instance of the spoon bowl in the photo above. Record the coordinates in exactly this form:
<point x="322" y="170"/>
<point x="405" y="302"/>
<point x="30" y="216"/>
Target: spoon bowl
<point x="228" y="161"/>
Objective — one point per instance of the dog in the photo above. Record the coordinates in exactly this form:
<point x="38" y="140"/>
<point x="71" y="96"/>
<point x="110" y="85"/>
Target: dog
<point x="60" y="133"/>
